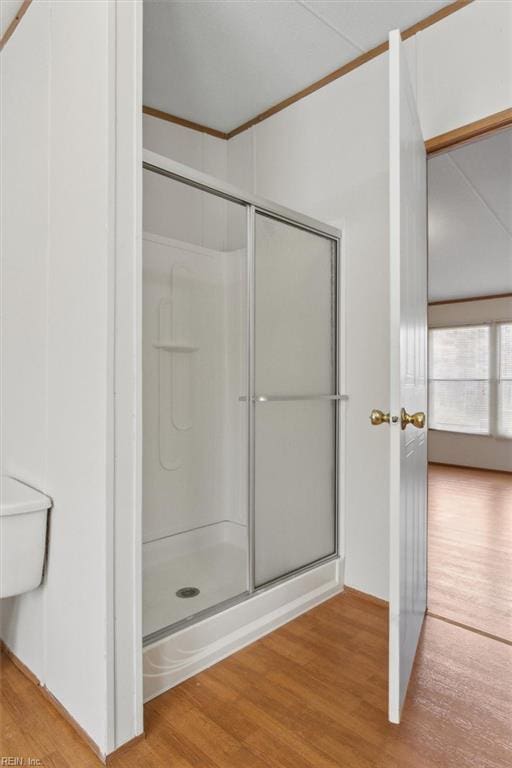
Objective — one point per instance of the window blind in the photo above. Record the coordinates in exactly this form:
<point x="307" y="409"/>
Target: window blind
<point x="505" y="379"/>
<point x="459" y="379"/>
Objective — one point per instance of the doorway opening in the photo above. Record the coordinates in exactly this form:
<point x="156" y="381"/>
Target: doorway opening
<point x="470" y="385"/>
<point x="241" y="407"/>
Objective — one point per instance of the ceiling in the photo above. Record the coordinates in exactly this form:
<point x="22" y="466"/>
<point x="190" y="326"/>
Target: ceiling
<point x="222" y="62"/>
<point x="470" y="219"/>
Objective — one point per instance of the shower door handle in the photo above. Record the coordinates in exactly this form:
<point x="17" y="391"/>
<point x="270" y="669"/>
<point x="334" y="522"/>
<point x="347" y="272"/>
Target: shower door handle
<point x="290" y="398"/>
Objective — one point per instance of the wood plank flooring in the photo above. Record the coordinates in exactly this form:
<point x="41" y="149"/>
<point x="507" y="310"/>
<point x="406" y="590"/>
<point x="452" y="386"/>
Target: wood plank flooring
<point x="310" y="695"/>
<point x="470" y="548"/>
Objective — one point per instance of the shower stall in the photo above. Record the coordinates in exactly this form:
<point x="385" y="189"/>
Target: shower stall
<point x="241" y="408"/>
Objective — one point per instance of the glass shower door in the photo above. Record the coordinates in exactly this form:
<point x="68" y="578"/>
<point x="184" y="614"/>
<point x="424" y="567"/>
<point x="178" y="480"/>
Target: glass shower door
<point x="295" y="398"/>
<point x="195" y="443"/>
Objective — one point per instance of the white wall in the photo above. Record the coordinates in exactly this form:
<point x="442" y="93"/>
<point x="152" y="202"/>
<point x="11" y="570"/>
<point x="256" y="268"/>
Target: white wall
<point x="172" y="209"/>
<point x="24" y="251"/>
<point x="200" y="219"/>
<point x="470" y="450"/>
<point x="57" y="399"/>
<point x="327" y="155"/>
<point x="465" y="66"/>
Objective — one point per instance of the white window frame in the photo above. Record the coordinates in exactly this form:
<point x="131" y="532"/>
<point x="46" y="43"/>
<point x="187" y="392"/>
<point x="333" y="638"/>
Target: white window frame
<point x="493" y="379"/>
<point x="497" y="378"/>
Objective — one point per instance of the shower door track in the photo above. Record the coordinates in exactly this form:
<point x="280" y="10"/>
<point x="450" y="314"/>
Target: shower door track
<point x="180" y="172"/>
<point x="255" y="204"/>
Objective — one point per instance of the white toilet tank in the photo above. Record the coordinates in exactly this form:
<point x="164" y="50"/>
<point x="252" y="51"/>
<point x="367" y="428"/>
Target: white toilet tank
<point x="23" y="518"/>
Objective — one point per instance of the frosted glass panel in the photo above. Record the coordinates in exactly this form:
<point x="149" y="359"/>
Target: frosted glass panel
<point x="294" y="486"/>
<point x="195" y="425"/>
<point x="295" y="310"/>
<point x="295" y="435"/>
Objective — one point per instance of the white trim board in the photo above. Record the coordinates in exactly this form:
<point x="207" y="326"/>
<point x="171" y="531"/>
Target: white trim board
<point x="183" y="654"/>
<point x="126" y="717"/>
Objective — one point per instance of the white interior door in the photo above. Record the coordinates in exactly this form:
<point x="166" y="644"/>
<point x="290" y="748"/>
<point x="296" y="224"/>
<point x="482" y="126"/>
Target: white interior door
<point x="408" y="360"/>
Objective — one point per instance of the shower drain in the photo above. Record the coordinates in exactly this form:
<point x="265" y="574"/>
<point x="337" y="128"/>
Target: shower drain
<point x="187" y="592"/>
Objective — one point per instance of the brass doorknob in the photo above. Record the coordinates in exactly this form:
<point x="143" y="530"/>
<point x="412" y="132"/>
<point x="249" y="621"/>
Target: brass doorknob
<point x="416" y="419"/>
<point x="379" y="417"/>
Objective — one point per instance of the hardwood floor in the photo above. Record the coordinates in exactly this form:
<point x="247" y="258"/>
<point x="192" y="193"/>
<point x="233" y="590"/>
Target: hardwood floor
<point x="470" y="548"/>
<point x="310" y="695"/>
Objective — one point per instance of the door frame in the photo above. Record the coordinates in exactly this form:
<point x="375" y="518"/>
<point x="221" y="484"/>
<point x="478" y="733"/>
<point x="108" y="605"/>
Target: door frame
<point x="124" y="620"/>
<point x="469" y="133"/>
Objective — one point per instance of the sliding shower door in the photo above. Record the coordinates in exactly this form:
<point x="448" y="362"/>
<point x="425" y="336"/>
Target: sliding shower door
<point x="240" y="395"/>
<point x="295" y="398"/>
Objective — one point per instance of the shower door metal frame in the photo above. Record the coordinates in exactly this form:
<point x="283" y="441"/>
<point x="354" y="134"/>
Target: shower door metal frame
<point x="258" y="205"/>
<point x="291" y="218"/>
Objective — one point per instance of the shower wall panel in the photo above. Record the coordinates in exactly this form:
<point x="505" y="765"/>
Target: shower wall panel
<point x="193" y="363"/>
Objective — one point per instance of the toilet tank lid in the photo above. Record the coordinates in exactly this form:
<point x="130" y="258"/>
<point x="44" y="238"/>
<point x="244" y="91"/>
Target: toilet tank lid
<point x="17" y="498"/>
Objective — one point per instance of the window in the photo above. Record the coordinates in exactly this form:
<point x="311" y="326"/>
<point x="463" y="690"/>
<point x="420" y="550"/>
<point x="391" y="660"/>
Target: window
<point x="470" y="379"/>
<point x="459" y="379"/>
<point x="505" y="379"/>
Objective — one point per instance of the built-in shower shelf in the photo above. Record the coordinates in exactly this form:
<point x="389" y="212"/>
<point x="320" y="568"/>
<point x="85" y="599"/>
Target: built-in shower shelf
<point x="170" y="346"/>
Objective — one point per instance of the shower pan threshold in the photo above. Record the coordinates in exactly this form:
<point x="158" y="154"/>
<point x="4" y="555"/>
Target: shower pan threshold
<point x="174" y="658"/>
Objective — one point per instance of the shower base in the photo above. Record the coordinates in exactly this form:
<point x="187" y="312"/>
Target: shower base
<point x="211" y="559"/>
<point x="172" y="659"/>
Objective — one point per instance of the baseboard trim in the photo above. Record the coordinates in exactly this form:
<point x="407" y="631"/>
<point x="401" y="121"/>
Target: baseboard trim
<point x="19" y="664"/>
<point x="61" y="709"/>
<point x="63" y="712"/>
<point x="367" y="597"/>
<point x="467" y="466"/>
<point x="14" y="23"/>
<point x="175" y="658"/>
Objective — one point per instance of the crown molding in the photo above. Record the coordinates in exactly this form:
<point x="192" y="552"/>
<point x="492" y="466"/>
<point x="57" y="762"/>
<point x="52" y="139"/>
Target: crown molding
<point x="14" y="23"/>
<point x="470" y="298"/>
<point x="466" y="134"/>
<point x="185" y="123"/>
